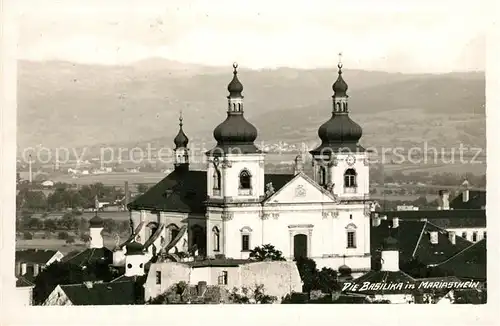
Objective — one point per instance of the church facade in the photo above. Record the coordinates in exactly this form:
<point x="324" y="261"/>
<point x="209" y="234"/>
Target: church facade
<point x="235" y="206"/>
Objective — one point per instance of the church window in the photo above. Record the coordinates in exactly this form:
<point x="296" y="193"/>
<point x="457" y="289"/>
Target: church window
<point x="464" y="235"/>
<point x="351" y="235"/>
<point x="158" y="277"/>
<point x="322" y="175"/>
<point x="350" y="178"/>
<point x="217" y="179"/>
<point x="338" y="107"/>
<point x="351" y="239"/>
<point x="484" y="235"/>
<point x="173" y="231"/>
<point x="474" y="237"/>
<point x="245" y="242"/>
<point x="245" y="180"/>
<point x="350" y="216"/>
<point x="216" y="238"/>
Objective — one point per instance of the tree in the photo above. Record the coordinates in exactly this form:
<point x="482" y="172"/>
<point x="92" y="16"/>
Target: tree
<point x="246" y="296"/>
<point x="326" y="280"/>
<point x="70" y="240"/>
<point x="63" y="235"/>
<point x="266" y="252"/>
<point x="50" y="225"/>
<point x="307" y="270"/>
<point x="27" y="236"/>
<point x="85" y="237"/>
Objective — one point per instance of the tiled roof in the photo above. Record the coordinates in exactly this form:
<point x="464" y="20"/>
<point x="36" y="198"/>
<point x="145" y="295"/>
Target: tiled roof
<point x="456" y="218"/>
<point x="118" y="293"/>
<point x="89" y="256"/>
<point x="469" y="263"/>
<point x="477" y="200"/>
<point x="185" y="191"/>
<point x="414" y="241"/>
<point x="136" y="279"/>
<point x="36" y="256"/>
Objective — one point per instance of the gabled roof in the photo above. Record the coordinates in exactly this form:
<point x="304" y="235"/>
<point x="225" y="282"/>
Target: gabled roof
<point x="35" y="256"/>
<point x="477" y="200"/>
<point x="292" y="178"/>
<point x="118" y="293"/>
<point x="185" y="191"/>
<point x="469" y="263"/>
<point x="414" y="241"/>
<point x="89" y="256"/>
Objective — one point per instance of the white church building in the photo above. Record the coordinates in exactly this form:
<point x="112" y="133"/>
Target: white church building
<point x="234" y="205"/>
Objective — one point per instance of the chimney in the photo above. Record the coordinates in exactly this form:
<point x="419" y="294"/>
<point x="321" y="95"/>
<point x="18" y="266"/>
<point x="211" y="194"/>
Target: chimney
<point x="465" y="195"/>
<point x="127" y="194"/>
<point x="434" y="237"/>
<point x="444" y="200"/>
<point x="452" y="237"/>
<point x="36" y="269"/>
<point x="202" y="288"/>
<point x="23" y="268"/>
<point x="395" y="222"/>
<point x="390" y="255"/>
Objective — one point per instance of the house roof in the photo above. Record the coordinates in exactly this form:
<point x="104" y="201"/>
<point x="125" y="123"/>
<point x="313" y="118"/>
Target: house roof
<point x="414" y="241"/>
<point x="35" y="256"/>
<point x="117" y="293"/>
<point x="469" y="263"/>
<point x="185" y="191"/>
<point x="456" y="218"/>
<point x="386" y="277"/>
<point x="477" y="200"/>
<point x="136" y="279"/>
<point x="89" y="256"/>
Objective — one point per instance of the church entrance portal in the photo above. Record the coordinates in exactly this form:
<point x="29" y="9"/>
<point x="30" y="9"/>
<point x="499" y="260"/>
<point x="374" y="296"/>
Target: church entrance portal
<point x="300" y="246"/>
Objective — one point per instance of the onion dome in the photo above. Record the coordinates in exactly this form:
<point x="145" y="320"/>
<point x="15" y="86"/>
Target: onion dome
<point x="135" y="248"/>
<point x="96" y="222"/>
<point x="235" y="133"/>
<point x="235" y="87"/>
<point x="390" y="243"/>
<point x="181" y="139"/>
<point x="340" y="86"/>
<point x="344" y="270"/>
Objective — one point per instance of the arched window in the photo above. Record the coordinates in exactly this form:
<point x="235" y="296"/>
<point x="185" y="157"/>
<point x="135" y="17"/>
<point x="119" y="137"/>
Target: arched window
<point x="245" y="180"/>
<point x="322" y="175"/>
<point x="338" y="107"/>
<point x="350" y="178"/>
<point x="474" y="236"/>
<point x="245" y="238"/>
<point x="351" y="235"/>
<point x="217" y="179"/>
<point x="172" y="232"/>
<point x="464" y="235"/>
<point x="216" y="238"/>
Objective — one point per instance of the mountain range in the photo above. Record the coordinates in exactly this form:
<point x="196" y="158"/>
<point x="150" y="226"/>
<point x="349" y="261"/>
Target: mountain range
<point x="63" y="104"/>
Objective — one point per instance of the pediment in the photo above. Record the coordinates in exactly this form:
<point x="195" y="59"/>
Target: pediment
<point x="301" y="189"/>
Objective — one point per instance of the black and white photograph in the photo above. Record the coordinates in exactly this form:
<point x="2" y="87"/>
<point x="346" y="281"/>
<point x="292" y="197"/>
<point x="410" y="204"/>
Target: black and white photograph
<point x="233" y="152"/>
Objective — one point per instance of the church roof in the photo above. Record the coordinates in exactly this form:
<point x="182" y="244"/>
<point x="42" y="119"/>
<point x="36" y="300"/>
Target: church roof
<point x="456" y="218"/>
<point x="414" y="241"/>
<point x="89" y="256"/>
<point x="477" y="200"/>
<point x="185" y="191"/>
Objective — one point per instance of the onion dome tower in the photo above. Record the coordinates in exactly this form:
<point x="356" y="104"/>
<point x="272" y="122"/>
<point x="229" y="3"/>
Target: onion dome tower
<point x="235" y="134"/>
<point x="340" y="132"/>
<point x="181" y="151"/>
<point x="134" y="259"/>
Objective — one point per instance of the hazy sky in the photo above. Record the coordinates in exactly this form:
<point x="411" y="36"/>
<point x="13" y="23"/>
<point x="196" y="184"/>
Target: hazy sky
<point x="408" y="36"/>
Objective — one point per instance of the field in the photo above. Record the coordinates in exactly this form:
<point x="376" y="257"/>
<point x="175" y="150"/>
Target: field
<point x="112" y="179"/>
<point x="56" y="244"/>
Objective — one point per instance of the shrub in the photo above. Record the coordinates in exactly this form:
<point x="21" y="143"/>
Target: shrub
<point x="63" y="235"/>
